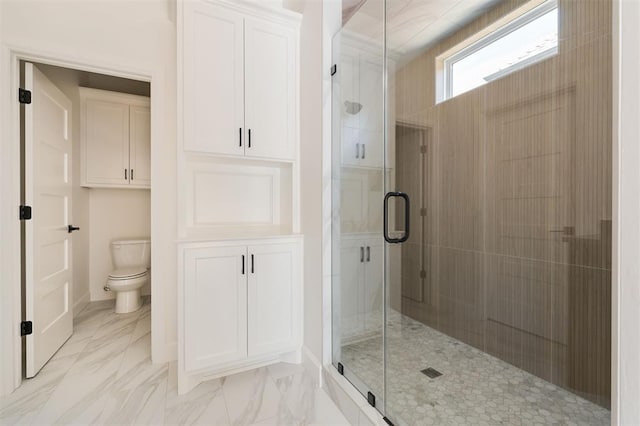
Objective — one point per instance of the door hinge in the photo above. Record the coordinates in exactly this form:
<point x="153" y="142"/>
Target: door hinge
<point x="423" y="211"/>
<point x="25" y="212"/>
<point x="26" y="328"/>
<point x="334" y="69"/>
<point x="423" y="149"/>
<point x="24" y="96"/>
<point x="341" y="369"/>
<point x="423" y="274"/>
<point x="371" y="398"/>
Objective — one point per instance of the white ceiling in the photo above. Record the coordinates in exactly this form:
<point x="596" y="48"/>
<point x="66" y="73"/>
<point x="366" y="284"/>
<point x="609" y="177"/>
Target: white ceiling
<point x="414" y="25"/>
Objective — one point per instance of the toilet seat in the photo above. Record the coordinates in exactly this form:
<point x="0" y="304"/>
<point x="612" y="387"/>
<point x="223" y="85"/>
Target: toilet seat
<point x="127" y="273"/>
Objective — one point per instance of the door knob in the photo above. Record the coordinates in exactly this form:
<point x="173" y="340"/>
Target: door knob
<point x="72" y="228"/>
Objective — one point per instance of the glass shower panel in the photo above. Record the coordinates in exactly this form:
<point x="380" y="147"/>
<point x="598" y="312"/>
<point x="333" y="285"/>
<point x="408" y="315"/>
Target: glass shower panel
<point x="499" y="301"/>
<point x="358" y="262"/>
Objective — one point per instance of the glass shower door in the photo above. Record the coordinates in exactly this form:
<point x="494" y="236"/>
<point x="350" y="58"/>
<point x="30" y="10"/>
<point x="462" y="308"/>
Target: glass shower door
<point x="499" y="299"/>
<point x="358" y="261"/>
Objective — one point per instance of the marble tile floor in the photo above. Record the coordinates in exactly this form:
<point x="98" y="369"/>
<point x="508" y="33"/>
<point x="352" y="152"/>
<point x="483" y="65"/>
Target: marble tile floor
<point x="103" y="375"/>
<point x="475" y="388"/>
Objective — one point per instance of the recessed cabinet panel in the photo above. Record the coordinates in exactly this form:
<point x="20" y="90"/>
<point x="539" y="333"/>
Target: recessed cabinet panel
<point x="214" y="80"/>
<point x="221" y="195"/>
<point x="272" y="298"/>
<point x="215" y="315"/>
<point x="107" y="142"/>
<point x="271" y="82"/>
<point x="140" y="145"/>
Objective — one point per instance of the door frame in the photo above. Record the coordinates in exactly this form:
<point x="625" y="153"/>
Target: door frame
<point x="11" y="310"/>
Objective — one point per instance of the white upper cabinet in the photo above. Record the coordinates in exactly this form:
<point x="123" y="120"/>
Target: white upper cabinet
<point x="270" y="98"/>
<point x="240" y="84"/>
<point x="115" y="140"/>
<point x="106" y="138"/>
<point x="140" y="145"/>
<point x="214" y="80"/>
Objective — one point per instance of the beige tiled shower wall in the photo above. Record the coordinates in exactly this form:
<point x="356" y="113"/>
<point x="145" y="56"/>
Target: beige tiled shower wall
<point x="514" y="183"/>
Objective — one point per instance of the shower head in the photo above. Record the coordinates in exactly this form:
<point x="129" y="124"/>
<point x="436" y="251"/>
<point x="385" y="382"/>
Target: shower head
<point x="352" y="107"/>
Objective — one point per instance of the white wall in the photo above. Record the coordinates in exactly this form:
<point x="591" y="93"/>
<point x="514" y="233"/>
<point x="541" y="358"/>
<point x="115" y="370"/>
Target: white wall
<point x="626" y="248"/>
<point x="311" y="170"/>
<point x="68" y="81"/>
<point x="137" y="38"/>
<point x="114" y="214"/>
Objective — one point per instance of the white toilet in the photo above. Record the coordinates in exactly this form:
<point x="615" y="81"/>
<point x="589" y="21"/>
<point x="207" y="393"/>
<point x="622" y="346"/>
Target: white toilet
<point x="132" y="262"/>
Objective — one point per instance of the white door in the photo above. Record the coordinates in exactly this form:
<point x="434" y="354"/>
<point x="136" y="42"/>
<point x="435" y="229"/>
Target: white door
<point x="215" y="306"/>
<point x="270" y="79"/>
<point x="140" y="145"/>
<point x="107" y="139"/>
<point x="213" y="80"/>
<point x="273" y="298"/>
<point x="47" y="172"/>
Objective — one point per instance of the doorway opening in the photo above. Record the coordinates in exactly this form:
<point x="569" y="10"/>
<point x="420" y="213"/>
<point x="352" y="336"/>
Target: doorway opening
<point x="85" y="184"/>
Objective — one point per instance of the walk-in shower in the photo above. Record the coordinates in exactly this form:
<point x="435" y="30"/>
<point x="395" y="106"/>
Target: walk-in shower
<point x="471" y="239"/>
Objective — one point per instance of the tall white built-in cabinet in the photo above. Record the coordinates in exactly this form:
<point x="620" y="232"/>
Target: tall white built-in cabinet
<point x="239" y="243"/>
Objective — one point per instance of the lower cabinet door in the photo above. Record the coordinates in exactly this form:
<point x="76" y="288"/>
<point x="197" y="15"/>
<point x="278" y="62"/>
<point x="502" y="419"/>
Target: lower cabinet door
<point x="274" y="298"/>
<point x="215" y="306"/>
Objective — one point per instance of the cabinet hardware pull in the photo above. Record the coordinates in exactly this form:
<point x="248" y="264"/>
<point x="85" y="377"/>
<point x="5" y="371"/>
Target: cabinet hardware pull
<point x="361" y="254"/>
<point x="357" y="150"/>
<point x="243" y="264"/>
<point x="368" y="254"/>
<point x="363" y="150"/>
<point x="131" y="174"/>
<point x="125" y="174"/>
<point x="240" y="136"/>
<point x="249" y="143"/>
<point x="252" y="264"/>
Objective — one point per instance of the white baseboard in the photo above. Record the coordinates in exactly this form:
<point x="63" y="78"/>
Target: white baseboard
<point x="311" y="364"/>
<point x="80" y="304"/>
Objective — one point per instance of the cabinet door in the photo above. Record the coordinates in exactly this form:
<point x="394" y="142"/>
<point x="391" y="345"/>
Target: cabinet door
<point x="271" y="86"/>
<point x="371" y="116"/>
<point x="140" y="146"/>
<point x="215" y="306"/>
<point x="373" y="294"/>
<point x="106" y="143"/>
<point x="213" y="80"/>
<point x="351" y="287"/>
<point x="348" y="71"/>
<point x="274" y="298"/>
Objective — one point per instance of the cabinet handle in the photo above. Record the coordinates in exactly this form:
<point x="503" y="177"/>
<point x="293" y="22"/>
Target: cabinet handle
<point x="361" y="254"/>
<point x="252" y="264"/>
<point x="363" y="150"/>
<point x="249" y="142"/>
<point x="357" y="150"/>
<point x="368" y="254"/>
<point x="125" y="174"/>
<point x="240" y="136"/>
<point x="131" y="174"/>
<point x="243" y="264"/>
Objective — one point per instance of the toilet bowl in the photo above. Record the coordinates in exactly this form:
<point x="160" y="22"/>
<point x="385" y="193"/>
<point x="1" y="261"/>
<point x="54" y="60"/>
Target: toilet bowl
<point x="131" y="259"/>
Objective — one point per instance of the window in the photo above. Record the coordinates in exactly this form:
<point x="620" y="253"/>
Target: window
<point x="522" y="41"/>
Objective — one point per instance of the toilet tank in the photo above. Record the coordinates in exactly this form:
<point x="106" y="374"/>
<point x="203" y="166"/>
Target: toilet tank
<point x="128" y="253"/>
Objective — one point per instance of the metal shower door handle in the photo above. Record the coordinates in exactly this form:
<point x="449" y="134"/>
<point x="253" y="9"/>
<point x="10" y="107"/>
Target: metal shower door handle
<point x="407" y="215"/>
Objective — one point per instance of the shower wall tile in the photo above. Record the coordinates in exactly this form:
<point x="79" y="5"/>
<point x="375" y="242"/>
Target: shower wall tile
<point x="515" y="238"/>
